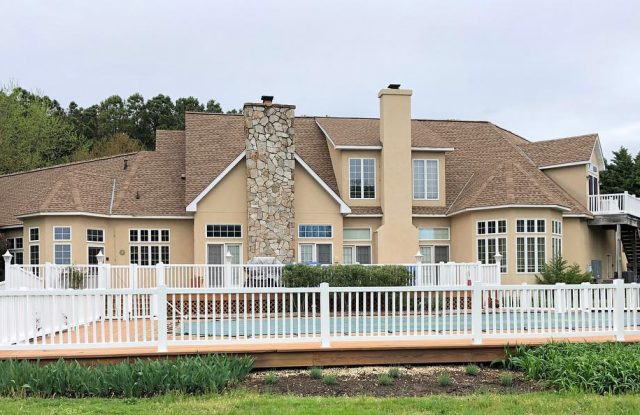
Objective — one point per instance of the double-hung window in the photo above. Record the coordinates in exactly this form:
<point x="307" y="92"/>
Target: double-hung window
<point x="62" y="245"/>
<point x="530" y="245"/>
<point x="491" y="239"/>
<point x="362" y="178"/>
<point x="15" y="246"/>
<point x="357" y="246"/>
<point x="425" y="179"/>
<point x="317" y="253"/>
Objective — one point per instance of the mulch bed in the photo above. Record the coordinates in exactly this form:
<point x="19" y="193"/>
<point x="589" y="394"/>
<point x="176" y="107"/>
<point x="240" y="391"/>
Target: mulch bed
<point x="413" y="381"/>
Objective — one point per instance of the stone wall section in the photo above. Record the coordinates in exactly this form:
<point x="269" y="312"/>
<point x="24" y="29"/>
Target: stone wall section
<point x="270" y="146"/>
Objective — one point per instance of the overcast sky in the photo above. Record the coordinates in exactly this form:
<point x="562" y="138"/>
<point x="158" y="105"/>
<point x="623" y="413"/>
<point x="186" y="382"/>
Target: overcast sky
<point x="542" y="69"/>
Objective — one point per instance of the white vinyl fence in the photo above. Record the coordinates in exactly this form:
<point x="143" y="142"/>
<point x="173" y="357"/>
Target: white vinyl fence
<point x="167" y="316"/>
<point x="107" y="276"/>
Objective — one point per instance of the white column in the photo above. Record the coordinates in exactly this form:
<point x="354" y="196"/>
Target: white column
<point x="618" y="309"/>
<point x="325" y="316"/>
<point x="559" y="297"/>
<point x="228" y="281"/>
<point x="498" y="258"/>
<point x="419" y="274"/>
<point x="160" y="308"/>
<point x="476" y="312"/>
<point x="102" y="271"/>
<point x="7" y="269"/>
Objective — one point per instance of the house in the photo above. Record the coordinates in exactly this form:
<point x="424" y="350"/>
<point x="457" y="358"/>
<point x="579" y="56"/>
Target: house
<point x="327" y="190"/>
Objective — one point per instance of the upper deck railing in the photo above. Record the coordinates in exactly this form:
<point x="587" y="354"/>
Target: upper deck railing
<point x="615" y="204"/>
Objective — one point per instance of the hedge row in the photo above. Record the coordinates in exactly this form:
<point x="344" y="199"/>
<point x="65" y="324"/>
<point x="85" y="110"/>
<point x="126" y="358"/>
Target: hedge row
<point x="346" y="275"/>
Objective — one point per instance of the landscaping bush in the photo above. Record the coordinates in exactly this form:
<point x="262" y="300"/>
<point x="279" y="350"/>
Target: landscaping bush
<point x="472" y="370"/>
<point x="604" y="368"/>
<point x="299" y="275"/>
<point x="444" y="379"/>
<point x="315" y="373"/>
<point x="385" y="380"/>
<point x="137" y="378"/>
<point x="558" y="270"/>
<point x="506" y="379"/>
<point x="329" y="380"/>
<point x="271" y="378"/>
<point x="394" y="372"/>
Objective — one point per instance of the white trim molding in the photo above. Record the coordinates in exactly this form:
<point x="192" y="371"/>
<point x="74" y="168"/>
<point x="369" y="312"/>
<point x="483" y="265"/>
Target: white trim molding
<point x="558" y="207"/>
<point x="346" y="147"/>
<point x="364" y="215"/>
<point x="12" y="226"/>
<point x="344" y="208"/>
<point x="193" y="206"/>
<point x="99" y="215"/>
<point x="555" y="166"/>
<point x="432" y="149"/>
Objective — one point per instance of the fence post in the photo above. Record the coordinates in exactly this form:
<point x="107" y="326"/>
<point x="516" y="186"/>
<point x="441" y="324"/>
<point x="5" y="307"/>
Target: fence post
<point x="419" y="277"/>
<point x="618" y="309"/>
<point x="324" y="315"/>
<point x="227" y="269"/>
<point x="160" y="308"/>
<point x="559" y="297"/>
<point x="476" y="312"/>
<point x="133" y="275"/>
<point x="102" y="271"/>
<point x="585" y="297"/>
<point x="525" y="297"/>
<point x="7" y="269"/>
<point x="48" y="277"/>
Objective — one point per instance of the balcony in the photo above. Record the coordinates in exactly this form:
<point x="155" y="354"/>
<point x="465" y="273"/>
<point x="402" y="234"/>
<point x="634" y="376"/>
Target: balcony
<point x="615" y="204"/>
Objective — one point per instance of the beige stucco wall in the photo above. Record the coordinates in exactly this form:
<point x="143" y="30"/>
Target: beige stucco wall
<point x="314" y="206"/>
<point x="585" y="243"/>
<point x="573" y="179"/>
<point x="116" y="230"/>
<point x="225" y="204"/>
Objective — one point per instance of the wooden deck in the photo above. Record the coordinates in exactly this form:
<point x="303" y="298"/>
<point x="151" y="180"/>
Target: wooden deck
<point x="341" y="353"/>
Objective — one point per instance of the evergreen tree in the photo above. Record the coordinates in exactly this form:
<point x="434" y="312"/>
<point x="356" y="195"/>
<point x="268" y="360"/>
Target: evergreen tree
<point x="621" y="174"/>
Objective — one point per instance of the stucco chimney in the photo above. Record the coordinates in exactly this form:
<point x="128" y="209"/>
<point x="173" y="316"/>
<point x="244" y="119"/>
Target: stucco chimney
<point x="270" y="147"/>
<point x="397" y="237"/>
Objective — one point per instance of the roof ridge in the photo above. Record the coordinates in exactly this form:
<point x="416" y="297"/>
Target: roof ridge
<point x="509" y="131"/>
<point x="564" y="138"/>
<point x="73" y="163"/>
<point x="516" y="147"/>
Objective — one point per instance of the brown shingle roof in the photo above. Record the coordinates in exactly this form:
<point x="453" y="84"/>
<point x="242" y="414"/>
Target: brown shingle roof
<point x="366" y="132"/>
<point x="562" y="150"/>
<point x="366" y="210"/>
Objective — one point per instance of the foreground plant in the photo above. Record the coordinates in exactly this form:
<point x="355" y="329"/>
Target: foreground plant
<point x="444" y="379"/>
<point x="271" y="378"/>
<point x="472" y="370"/>
<point x="385" y="380"/>
<point x="135" y="378"/>
<point x="329" y="380"/>
<point x="506" y="379"/>
<point x="394" y="372"/>
<point x="315" y="373"/>
<point x="604" y="368"/>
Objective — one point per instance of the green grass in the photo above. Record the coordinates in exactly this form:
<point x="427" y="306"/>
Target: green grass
<point x="385" y="380"/>
<point x="329" y="380"/>
<point x="603" y="368"/>
<point x="472" y="370"/>
<point x="444" y="379"/>
<point x="239" y="402"/>
<point x="315" y="373"/>
<point x="134" y="378"/>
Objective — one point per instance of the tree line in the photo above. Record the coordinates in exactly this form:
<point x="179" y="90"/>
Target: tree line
<point x="36" y="131"/>
<point x="621" y="174"/>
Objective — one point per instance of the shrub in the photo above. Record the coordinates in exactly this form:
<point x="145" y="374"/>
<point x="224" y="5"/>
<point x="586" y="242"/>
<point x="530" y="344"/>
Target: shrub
<point x="444" y="379"/>
<point x="315" y="373"/>
<point x="299" y="275"/>
<point x="133" y="379"/>
<point x="604" y="368"/>
<point x="472" y="370"/>
<point x="271" y="378"/>
<point x="385" y="380"/>
<point x="558" y="270"/>
<point x="506" y="379"/>
<point x="394" y="372"/>
<point x="329" y="380"/>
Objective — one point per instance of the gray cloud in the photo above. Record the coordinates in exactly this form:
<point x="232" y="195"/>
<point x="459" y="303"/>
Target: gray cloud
<point x="542" y="68"/>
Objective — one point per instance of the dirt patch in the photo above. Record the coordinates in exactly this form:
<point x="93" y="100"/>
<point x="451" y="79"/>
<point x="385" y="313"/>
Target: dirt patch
<point x="413" y="381"/>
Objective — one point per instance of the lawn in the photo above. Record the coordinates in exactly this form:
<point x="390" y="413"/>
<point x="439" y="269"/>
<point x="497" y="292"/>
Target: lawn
<point x="242" y="402"/>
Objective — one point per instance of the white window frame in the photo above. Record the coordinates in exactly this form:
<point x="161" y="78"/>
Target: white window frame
<point x="413" y="193"/>
<point x="34" y="240"/>
<point x="435" y="227"/>
<point x="354" y="252"/>
<point x="535" y="237"/>
<point x="13" y="251"/>
<point x="486" y="227"/>
<point x="31" y="246"/>
<point x="375" y="178"/>
<point x="536" y="232"/>
<point x="315" y="250"/>
<point x="63" y="243"/>
<point x="432" y="247"/>
<point x="556" y="225"/>
<point x="314" y="237"/>
<point x="95" y="229"/>
<point x="495" y="239"/>
<point x="62" y="240"/>
<point x="223" y="237"/>
<point x="356" y="240"/>
<point x="224" y="248"/>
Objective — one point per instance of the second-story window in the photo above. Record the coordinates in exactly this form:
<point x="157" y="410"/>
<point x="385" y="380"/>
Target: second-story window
<point x="362" y="178"/>
<point x="425" y="179"/>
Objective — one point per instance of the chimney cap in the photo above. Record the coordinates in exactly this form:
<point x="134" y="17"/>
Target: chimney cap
<point x="394" y="86"/>
<point x="266" y="98"/>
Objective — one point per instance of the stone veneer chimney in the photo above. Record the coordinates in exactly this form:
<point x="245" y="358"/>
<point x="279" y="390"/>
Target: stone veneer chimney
<point x="270" y="145"/>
